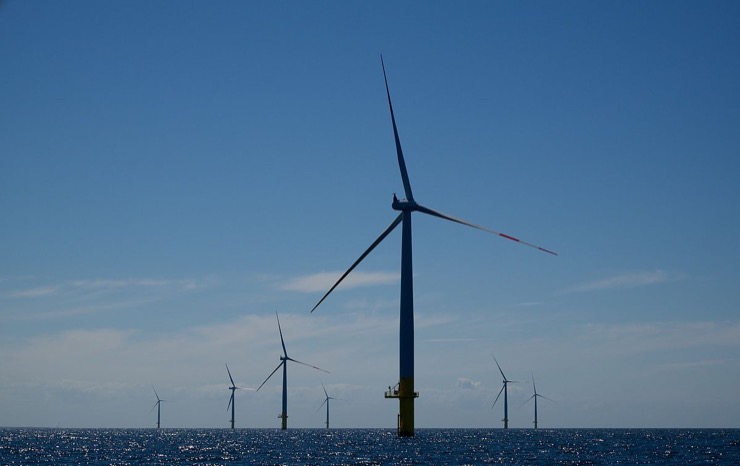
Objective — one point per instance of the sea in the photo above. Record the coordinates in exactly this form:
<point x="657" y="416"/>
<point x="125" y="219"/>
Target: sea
<point x="27" y="446"/>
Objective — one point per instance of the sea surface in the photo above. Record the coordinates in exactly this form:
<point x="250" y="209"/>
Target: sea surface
<point x="368" y="446"/>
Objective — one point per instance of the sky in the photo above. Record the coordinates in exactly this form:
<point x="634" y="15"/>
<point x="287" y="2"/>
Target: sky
<point x="173" y="174"/>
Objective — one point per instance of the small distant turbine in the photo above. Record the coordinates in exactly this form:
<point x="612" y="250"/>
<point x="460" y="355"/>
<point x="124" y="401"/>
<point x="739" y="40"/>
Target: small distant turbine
<point x="504" y="389"/>
<point x="284" y="363"/>
<point x="158" y="405"/>
<point x="326" y="402"/>
<point x="233" y="388"/>
<point x="535" y="396"/>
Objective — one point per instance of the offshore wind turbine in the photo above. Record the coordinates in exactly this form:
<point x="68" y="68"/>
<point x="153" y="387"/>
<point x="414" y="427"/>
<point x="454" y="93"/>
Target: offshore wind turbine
<point x="326" y="402"/>
<point x="405" y="391"/>
<point x="535" y="396"/>
<point x="505" y="390"/>
<point x="284" y="363"/>
<point x="158" y="405"/>
<point x="233" y="388"/>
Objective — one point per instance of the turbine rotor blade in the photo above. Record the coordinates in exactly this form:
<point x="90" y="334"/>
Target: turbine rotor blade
<point x="230" y="377"/>
<point x="380" y="238"/>
<point x="285" y="352"/>
<point x="499" y="369"/>
<point x="528" y="400"/>
<point x="231" y="400"/>
<point x="271" y="374"/>
<point x="322" y="404"/>
<point x="322" y="386"/>
<point x="155" y="393"/>
<point x="399" y="152"/>
<point x="309" y="365"/>
<point x="497" y="396"/>
<point x="435" y="213"/>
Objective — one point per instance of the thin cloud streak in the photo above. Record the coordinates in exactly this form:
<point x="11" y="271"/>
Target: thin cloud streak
<point x="632" y="280"/>
<point x="324" y="280"/>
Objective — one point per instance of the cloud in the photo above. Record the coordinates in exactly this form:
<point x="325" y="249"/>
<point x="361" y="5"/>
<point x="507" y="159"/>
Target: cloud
<point x="467" y="384"/>
<point x="35" y="292"/>
<point x="632" y="280"/>
<point x="76" y="297"/>
<point x="324" y="280"/>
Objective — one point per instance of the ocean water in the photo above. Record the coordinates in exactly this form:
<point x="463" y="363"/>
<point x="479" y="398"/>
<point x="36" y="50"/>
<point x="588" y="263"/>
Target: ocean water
<point x="368" y="446"/>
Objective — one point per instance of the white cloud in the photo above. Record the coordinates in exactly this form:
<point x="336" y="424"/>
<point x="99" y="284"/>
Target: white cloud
<point x="35" y="292"/>
<point x="467" y="384"/>
<point x="324" y="280"/>
<point x="631" y="280"/>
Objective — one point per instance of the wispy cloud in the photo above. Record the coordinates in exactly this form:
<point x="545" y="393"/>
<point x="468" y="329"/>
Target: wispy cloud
<point x="630" y="280"/>
<point x="467" y="384"/>
<point x="76" y="297"/>
<point x="35" y="292"/>
<point x="323" y="281"/>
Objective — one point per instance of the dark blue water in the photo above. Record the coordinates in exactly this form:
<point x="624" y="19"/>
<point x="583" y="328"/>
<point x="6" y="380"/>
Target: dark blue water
<point x="369" y="446"/>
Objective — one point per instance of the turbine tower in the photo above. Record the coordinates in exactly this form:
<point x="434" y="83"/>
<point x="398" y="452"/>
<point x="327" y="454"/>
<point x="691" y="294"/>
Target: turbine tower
<point x="158" y="405"/>
<point x="405" y="388"/>
<point x="233" y="388"/>
<point x="505" y="390"/>
<point x="535" y="396"/>
<point x="326" y="402"/>
<point x="284" y="363"/>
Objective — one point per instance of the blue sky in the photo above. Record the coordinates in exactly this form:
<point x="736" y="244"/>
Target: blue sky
<point x="174" y="173"/>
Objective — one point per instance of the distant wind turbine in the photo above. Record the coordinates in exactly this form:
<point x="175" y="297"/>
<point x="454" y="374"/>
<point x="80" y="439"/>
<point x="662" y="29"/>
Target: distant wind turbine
<point x="284" y="363"/>
<point x="158" y="405"/>
<point x="535" y="396"/>
<point x="505" y="390"/>
<point x="326" y="402"/>
<point x="405" y="392"/>
<point x="233" y="388"/>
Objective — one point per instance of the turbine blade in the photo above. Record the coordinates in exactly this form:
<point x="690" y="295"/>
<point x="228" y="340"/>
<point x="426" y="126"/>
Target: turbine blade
<point x="543" y="396"/>
<point x="533" y="384"/>
<point x="399" y="152"/>
<point x="499" y="369"/>
<point x="497" y="396"/>
<point x="309" y="365"/>
<point x="435" y="213"/>
<point x="380" y="238"/>
<point x="322" y="386"/>
<point x="271" y="374"/>
<point x="231" y="400"/>
<point x="528" y="400"/>
<point x="322" y="404"/>
<point x="285" y="352"/>
<point x="230" y="377"/>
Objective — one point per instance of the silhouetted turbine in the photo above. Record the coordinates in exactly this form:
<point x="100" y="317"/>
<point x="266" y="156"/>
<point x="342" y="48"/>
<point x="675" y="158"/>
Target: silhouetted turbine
<point x="326" y="402"/>
<point x="283" y="362"/>
<point x="405" y="392"/>
<point x="504" y="388"/>
<point x="158" y="405"/>
<point x="535" y="396"/>
<point x="233" y="388"/>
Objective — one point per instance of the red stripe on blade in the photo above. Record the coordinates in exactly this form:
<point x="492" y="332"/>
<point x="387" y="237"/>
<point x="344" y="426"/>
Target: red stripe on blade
<point x="508" y="237"/>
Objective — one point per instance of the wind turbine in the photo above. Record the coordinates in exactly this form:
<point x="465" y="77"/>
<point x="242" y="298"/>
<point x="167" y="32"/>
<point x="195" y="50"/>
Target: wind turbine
<point x="233" y="388"/>
<point x="284" y="363"/>
<point x="535" y="396"/>
<point x="405" y="392"/>
<point x="326" y="401"/>
<point x="504" y="389"/>
<point x="158" y="405"/>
